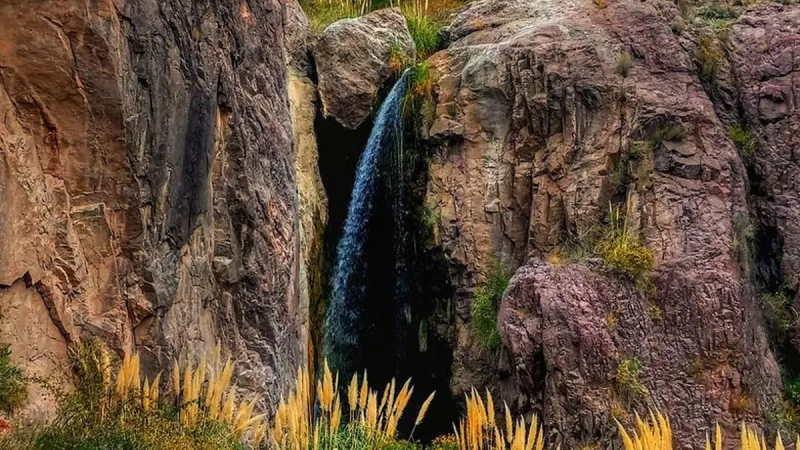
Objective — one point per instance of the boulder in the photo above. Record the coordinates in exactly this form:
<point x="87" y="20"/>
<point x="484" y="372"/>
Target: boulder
<point x="353" y="63"/>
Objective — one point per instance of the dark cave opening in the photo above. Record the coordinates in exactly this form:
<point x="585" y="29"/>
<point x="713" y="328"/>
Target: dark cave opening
<point x="400" y="335"/>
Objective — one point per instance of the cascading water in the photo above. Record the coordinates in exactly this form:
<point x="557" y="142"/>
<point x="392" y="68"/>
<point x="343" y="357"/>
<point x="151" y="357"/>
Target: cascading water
<point x="349" y="272"/>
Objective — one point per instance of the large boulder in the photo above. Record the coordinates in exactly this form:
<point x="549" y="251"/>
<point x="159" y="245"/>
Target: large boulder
<point x="353" y="63"/>
<point x="536" y="113"/>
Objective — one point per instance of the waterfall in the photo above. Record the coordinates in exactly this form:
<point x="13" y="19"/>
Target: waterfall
<point x="349" y="270"/>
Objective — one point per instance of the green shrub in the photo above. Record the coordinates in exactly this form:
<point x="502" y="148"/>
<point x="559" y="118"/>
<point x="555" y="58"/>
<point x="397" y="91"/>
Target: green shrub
<point x="717" y="11"/>
<point x="782" y="418"/>
<point x="623" y="252"/>
<point x="12" y="382"/>
<point x="627" y="380"/>
<point x="486" y="304"/>
<point x="779" y="315"/>
<point x="323" y="13"/>
<point x="792" y="391"/>
<point x="744" y="140"/>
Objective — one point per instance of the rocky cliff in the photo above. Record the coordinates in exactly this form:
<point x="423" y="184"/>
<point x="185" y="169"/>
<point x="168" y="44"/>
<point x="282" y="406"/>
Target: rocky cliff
<point x="148" y="184"/>
<point x="542" y="109"/>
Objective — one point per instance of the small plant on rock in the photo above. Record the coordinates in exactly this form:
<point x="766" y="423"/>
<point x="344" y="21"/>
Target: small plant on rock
<point x="418" y="103"/>
<point x="398" y="59"/>
<point x="486" y="305"/>
<point x="779" y="315"/>
<point x="12" y="382"/>
<point x="709" y="57"/>
<point x="623" y="252"/>
<point x="627" y="380"/>
<point x="624" y="64"/>
<point x="744" y="140"/>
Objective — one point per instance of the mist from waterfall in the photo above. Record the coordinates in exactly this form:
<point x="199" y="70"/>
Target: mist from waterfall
<point x="348" y="283"/>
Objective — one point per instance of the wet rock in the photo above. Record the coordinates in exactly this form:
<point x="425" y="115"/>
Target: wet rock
<point x="352" y="58"/>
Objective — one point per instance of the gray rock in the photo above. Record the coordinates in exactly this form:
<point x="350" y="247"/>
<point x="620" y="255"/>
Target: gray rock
<point x="352" y="58"/>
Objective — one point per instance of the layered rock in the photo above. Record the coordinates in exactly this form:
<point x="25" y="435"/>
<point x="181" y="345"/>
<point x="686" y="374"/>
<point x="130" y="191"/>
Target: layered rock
<point x="148" y="184"/>
<point x="535" y="114"/>
<point x="354" y="59"/>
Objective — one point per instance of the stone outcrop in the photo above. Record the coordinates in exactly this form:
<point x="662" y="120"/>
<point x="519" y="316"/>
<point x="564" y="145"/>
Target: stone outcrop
<point x="765" y="61"/>
<point x="353" y="63"/>
<point x="535" y="115"/>
<point x="148" y="184"/>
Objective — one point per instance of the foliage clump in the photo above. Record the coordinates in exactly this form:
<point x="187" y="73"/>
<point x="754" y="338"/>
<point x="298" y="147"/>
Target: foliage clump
<point x="305" y="421"/>
<point x="744" y="140"/>
<point x="622" y="251"/>
<point x="418" y="103"/>
<point x="709" y="57"/>
<point x="12" y="382"/>
<point x="779" y="315"/>
<point x="129" y="411"/>
<point x="627" y="380"/>
<point x="486" y="305"/>
<point x="322" y="13"/>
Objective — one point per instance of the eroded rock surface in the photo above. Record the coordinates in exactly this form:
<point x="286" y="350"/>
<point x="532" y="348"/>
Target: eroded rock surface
<point x="533" y="118"/>
<point x="766" y="66"/>
<point x="148" y="183"/>
<point x="353" y="63"/>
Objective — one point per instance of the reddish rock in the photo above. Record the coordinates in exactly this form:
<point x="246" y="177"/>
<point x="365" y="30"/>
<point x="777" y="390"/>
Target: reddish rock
<point x="533" y="116"/>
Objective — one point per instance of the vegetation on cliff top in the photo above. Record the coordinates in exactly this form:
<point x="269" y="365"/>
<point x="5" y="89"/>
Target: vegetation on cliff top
<point x="424" y="17"/>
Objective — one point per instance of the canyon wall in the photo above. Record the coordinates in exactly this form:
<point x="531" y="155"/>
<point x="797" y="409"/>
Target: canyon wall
<point x="536" y="114"/>
<point x="148" y="185"/>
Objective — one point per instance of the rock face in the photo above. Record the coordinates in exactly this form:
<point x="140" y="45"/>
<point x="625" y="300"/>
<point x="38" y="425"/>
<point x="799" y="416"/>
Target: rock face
<point x="148" y="183"/>
<point x="313" y="202"/>
<point x="766" y="66"/>
<point x="535" y="119"/>
<point x="353" y="63"/>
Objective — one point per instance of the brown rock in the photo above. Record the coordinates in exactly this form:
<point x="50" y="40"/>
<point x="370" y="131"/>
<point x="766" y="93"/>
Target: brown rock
<point x="148" y="184"/>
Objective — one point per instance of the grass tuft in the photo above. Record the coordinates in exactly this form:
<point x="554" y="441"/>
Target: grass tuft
<point x="486" y="305"/>
<point x="128" y="411"/>
<point x="744" y="140"/>
<point x="624" y="64"/>
<point x="623" y="252"/>
<point x="709" y="57"/>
